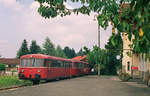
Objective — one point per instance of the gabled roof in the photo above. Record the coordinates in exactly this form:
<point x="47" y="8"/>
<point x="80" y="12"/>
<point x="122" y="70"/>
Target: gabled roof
<point x="9" y="61"/>
<point x="79" y="58"/>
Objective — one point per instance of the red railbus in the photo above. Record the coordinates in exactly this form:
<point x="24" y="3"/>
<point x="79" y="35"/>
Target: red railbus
<point x="38" y="67"/>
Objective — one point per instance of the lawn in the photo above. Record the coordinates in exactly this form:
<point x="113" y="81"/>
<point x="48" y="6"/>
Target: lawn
<point x="10" y="81"/>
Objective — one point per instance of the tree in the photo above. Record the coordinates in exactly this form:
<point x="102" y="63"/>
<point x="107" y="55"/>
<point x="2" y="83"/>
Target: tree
<point x="70" y="53"/>
<point x="60" y="52"/>
<point x="2" y="67"/>
<point x="34" y="48"/>
<point x="106" y="58"/>
<point x="48" y="47"/>
<point x="81" y="53"/>
<point x="130" y="16"/>
<point x="114" y="47"/>
<point x="115" y="43"/>
<point x="73" y="53"/>
<point x="96" y="57"/>
<point x="23" y="50"/>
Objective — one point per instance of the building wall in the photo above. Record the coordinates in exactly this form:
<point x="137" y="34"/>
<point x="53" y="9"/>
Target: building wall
<point x="127" y="61"/>
<point x="135" y="73"/>
<point x="134" y="60"/>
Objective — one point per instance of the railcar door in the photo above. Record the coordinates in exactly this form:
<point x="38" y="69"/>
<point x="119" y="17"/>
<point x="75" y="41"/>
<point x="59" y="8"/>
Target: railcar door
<point x="48" y="68"/>
<point x="67" y="69"/>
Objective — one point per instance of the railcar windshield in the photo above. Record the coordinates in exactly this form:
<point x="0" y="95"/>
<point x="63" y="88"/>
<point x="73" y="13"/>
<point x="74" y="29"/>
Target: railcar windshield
<point x="32" y="62"/>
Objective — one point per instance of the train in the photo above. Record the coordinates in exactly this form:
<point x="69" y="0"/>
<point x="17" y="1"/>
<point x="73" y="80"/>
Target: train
<point x="36" y="67"/>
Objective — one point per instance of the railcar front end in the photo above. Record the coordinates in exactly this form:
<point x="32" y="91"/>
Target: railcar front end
<point x="32" y="69"/>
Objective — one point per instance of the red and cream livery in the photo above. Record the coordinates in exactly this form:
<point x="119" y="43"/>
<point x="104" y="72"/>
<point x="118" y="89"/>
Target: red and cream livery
<point x="38" y="67"/>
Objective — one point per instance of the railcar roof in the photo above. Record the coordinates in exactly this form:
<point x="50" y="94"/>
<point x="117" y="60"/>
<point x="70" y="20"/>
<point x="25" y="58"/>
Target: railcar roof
<point x="42" y="56"/>
<point x="79" y="61"/>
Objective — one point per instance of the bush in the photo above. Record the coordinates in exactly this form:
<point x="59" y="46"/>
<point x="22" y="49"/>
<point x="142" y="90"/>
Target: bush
<point x="10" y="81"/>
<point x="2" y="67"/>
<point x="124" y="76"/>
<point x="13" y="71"/>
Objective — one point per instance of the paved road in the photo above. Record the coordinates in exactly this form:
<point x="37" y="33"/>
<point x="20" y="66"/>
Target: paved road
<point x="83" y="86"/>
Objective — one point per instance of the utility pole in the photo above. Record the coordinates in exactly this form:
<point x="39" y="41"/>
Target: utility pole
<point x="95" y="16"/>
<point x="99" y="47"/>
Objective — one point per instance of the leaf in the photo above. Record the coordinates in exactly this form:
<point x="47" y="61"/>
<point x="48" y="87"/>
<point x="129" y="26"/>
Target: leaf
<point x="113" y="41"/>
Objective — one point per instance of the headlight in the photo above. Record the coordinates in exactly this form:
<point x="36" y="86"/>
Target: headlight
<point x="39" y="71"/>
<point x="22" y="70"/>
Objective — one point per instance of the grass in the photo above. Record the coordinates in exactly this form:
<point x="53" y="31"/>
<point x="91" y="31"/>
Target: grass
<point x="10" y="81"/>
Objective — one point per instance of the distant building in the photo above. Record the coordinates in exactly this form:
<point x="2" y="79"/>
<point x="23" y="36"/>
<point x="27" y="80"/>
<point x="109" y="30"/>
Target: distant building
<point x="11" y="63"/>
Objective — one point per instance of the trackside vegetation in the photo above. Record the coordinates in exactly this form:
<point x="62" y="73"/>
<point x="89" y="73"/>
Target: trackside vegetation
<point x="12" y="81"/>
<point x="2" y="67"/>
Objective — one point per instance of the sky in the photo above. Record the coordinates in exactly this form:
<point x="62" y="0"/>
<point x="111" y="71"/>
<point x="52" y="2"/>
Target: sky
<point x="20" y="20"/>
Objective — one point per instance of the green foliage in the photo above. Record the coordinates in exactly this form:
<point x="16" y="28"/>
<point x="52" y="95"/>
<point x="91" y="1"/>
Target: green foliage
<point x="23" y="50"/>
<point x="114" y="47"/>
<point x="106" y="58"/>
<point x="115" y="43"/>
<point x="9" y="81"/>
<point x="13" y="71"/>
<point x="70" y="53"/>
<point x="48" y="48"/>
<point x="131" y="19"/>
<point x="34" y="48"/>
<point x="2" y="67"/>
<point x="60" y="52"/>
<point x="95" y="57"/>
<point x="124" y="76"/>
<point x="81" y="52"/>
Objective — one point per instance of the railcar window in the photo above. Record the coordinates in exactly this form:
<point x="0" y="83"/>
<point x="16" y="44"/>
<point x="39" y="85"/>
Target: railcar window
<point x="25" y="62"/>
<point x="47" y="63"/>
<point x="66" y="64"/>
<point x="59" y="63"/>
<point x="62" y="64"/>
<point x="82" y="65"/>
<point x="21" y="63"/>
<point x="73" y="65"/>
<point x="33" y="62"/>
<point x="69" y="65"/>
<point x="53" y="63"/>
<point x="76" y="65"/>
<point x="37" y="63"/>
<point x="79" y="65"/>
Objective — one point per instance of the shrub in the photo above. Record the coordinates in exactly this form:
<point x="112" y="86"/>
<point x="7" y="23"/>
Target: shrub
<point x="10" y="81"/>
<point x="2" y="67"/>
<point x="124" y="76"/>
<point x="13" y="71"/>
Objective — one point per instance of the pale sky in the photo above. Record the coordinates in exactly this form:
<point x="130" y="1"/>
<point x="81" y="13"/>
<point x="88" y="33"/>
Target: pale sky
<point x="20" y="20"/>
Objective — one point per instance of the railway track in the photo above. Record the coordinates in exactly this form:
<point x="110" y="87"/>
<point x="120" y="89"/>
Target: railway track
<point x="10" y="88"/>
<point x="16" y="87"/>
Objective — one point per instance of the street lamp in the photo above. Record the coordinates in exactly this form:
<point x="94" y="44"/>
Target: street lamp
<point x="118" y="57"/>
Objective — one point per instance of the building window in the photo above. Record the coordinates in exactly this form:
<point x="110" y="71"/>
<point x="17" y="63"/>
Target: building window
<point x="128" y="64"/>
<point x="11" y="65"/>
